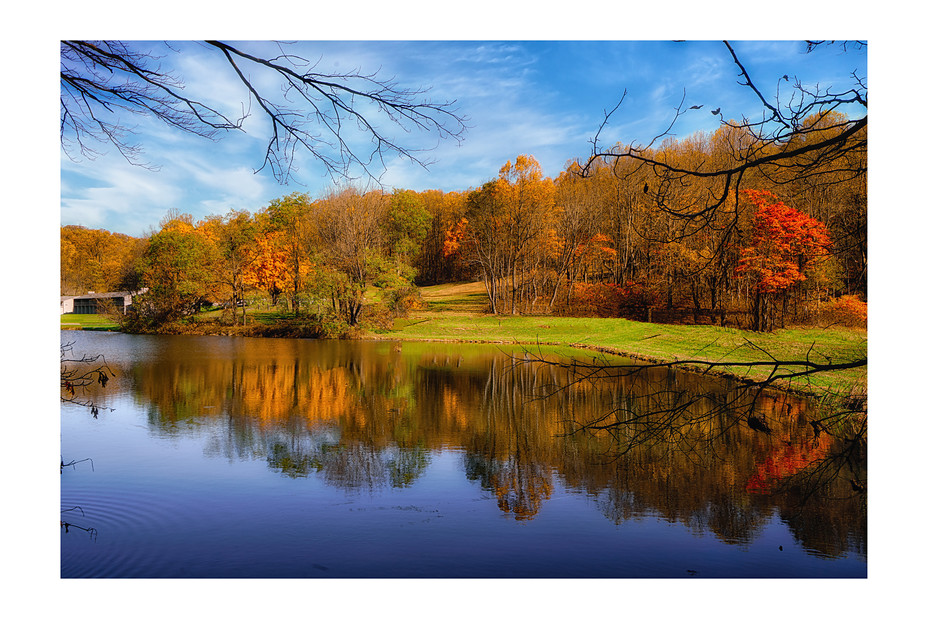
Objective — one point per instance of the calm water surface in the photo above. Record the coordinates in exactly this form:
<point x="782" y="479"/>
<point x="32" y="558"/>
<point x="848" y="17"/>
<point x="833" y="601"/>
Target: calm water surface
<point x="237" y="457"/>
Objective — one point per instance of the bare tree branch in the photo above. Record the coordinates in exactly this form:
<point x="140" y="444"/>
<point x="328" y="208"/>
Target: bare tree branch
<point x="79" y="374"/>
<point x="796" y="139"/>
<point x="322" y="113"/>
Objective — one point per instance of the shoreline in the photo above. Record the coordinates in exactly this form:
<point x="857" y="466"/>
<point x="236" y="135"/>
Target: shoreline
<point x="656" y="355"/>
<point x="691" y="368"/>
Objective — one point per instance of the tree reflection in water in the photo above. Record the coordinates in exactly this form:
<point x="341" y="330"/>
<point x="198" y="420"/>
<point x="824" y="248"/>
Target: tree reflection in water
<point x="801" y="458"/>
<point x="660" y="442"/>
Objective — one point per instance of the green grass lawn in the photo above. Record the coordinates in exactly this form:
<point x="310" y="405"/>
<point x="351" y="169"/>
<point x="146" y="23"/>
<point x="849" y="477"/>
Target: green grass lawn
<point x="460" y="297"/>
<point x="87" y="321"/>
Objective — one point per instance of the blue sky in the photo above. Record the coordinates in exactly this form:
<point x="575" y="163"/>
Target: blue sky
<point x="544" y="98"/>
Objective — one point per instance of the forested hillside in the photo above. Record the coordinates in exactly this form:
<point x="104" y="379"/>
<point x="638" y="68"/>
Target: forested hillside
<point x="98" y="260"/>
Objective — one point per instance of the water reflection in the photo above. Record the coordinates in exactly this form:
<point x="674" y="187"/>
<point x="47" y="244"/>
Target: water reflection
<point x="365" y="415"/>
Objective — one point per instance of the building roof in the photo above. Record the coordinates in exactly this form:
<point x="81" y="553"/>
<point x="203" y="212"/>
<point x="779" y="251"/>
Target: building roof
<point x="104" y="295"/>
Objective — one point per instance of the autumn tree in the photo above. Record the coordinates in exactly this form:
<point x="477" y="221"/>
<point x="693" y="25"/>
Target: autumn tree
<point x="504" y="222"/>
<point x="683" y="215"/>
<point x="234" y="239"/>
<point x="527" y="200"/>
<point x="620" y="223"/>
<point x="408" y="223"/>
<point x="476" y="239"/>
<point x="178" y="268"/>
<point x="786" y="245"/>
<point x="287" y="220"/>
<point x="349" y="231"/>
<point x="268" y="271"/>
<point x="445" y="210"/>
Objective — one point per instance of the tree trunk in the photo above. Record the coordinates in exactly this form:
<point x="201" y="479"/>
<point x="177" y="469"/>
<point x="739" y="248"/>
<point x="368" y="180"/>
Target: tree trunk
<point x="489" y="285"/>
<point x="696" y="306"/>
<point x="756" y="322"/>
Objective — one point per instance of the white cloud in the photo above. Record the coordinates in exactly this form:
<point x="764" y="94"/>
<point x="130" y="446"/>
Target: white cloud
<point x="118" y="197"/>
<point x="113" y="194"/>
<point x="511" y="54"/>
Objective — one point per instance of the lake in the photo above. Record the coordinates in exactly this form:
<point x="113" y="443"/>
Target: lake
<point x="222" y="457"/>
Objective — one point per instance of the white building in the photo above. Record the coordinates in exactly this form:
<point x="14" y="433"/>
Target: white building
<point x="93" y="302"/>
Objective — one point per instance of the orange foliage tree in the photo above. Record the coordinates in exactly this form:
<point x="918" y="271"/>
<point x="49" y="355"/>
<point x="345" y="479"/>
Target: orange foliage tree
<point x="269" y="271"/>
<point x="287" y="218"/>
<point x="501" y="235"/>
<point x="233" y="239"/>
<point x="98" y="260"/>
<point x="786" y="245"/>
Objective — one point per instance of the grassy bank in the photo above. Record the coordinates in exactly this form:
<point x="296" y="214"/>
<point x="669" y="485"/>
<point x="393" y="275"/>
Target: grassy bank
<point x="449" y="316"/>
<point x="456" y="313"/>
<point x="88" y="322"/>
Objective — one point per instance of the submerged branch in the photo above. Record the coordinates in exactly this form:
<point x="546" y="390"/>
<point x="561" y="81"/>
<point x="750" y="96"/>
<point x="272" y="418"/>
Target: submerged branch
<point x="77" y="376"/>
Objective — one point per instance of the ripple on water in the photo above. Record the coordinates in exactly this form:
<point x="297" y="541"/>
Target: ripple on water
<point x="115" y="533"/>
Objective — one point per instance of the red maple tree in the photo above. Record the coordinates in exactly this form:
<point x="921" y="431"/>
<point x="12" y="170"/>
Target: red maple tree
<point x="786" y="244"/>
